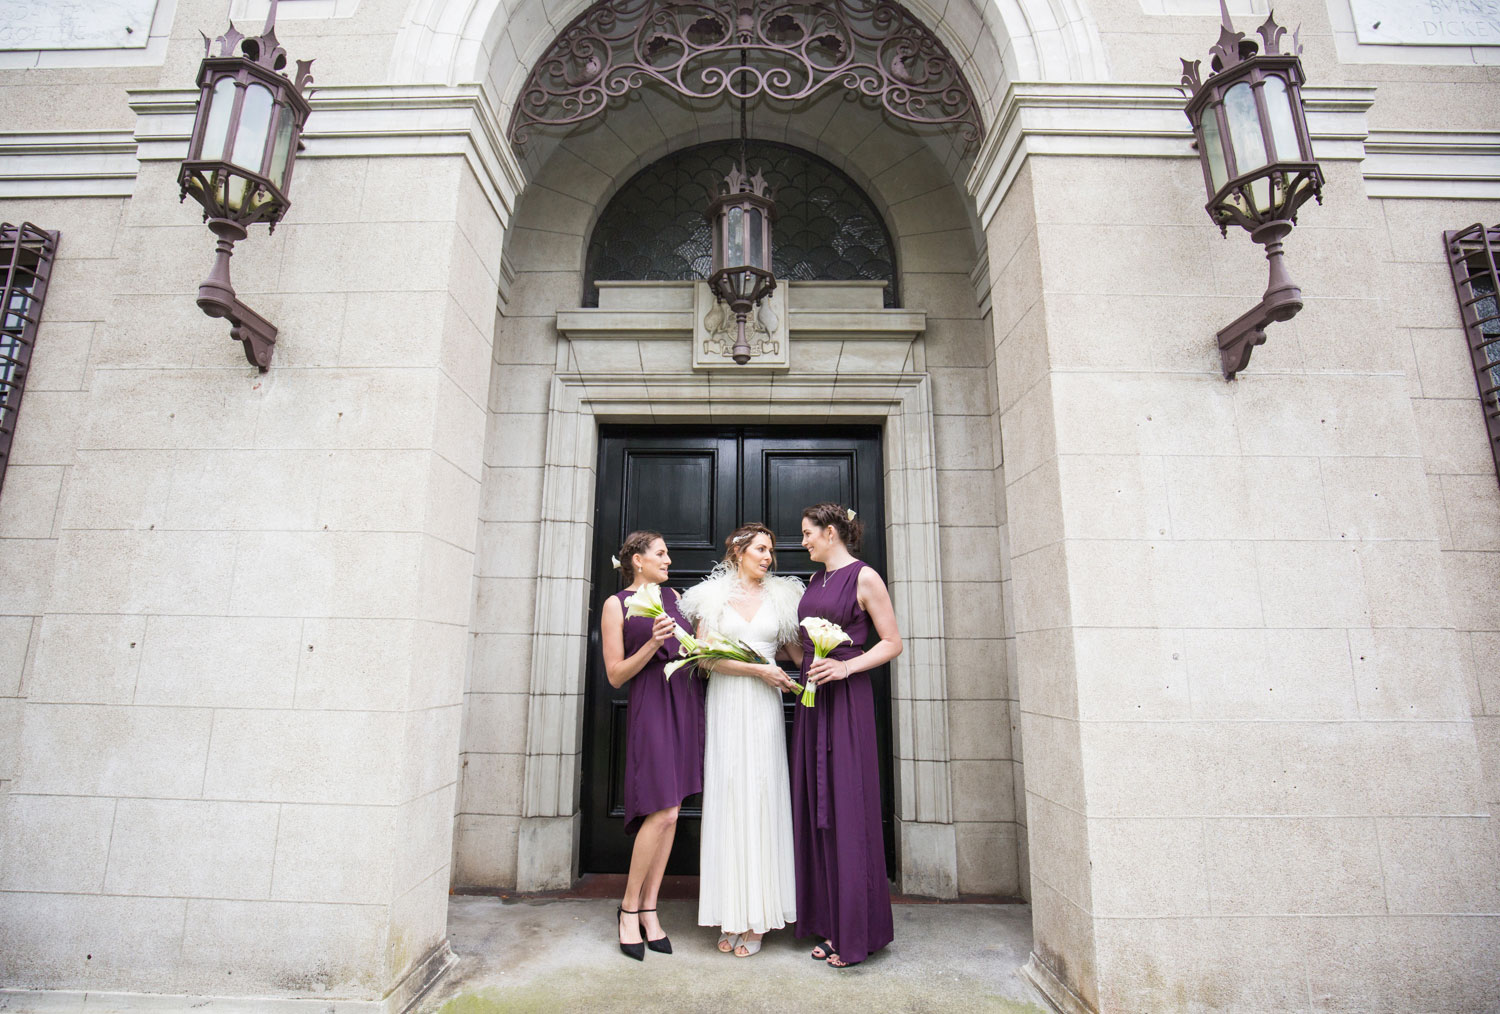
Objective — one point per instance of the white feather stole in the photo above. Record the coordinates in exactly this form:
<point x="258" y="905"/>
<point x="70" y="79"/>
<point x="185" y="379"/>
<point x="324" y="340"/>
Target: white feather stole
<point x="706" y="601"/>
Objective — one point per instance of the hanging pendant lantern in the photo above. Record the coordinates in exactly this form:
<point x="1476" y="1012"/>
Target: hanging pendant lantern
<point x="741" y="220"/>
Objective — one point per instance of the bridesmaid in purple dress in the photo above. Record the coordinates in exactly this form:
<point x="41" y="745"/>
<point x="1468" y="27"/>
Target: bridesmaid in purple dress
<point x="843" y="896"/>
<point x="664" y="725"/>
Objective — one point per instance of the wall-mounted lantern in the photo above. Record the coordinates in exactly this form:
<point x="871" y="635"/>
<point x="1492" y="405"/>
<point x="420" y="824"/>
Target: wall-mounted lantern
<point x="1251" y="135"/>
<point x="239" y="163"/>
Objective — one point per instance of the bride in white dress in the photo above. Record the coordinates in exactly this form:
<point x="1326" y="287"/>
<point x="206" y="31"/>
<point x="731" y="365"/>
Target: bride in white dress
<point x="745" y="878"/>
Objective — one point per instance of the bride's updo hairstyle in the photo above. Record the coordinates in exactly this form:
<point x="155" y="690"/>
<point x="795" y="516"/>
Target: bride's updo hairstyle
<point x="741" y="537"/>
<point x="825" y="514"/>
<point x="635" y="542"/>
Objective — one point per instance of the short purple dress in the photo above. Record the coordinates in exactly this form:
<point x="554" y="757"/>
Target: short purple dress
<point x="842" y="891"/>
<point x="663" y="724"/>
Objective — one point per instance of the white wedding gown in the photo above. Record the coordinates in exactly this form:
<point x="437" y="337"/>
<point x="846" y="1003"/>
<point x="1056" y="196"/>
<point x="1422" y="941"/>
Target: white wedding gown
<point x="745" y="877"/>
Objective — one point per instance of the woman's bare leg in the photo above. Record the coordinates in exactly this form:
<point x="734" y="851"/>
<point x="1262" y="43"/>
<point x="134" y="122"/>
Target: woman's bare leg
<point x="648" y="863"/>
<point x="666" y="832"/>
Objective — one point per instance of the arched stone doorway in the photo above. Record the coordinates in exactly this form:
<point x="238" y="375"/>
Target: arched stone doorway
<point x="924" y="373"/>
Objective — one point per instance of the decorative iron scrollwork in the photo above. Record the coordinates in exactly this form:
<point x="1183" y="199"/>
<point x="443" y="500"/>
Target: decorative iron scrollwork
<point x="875" y="48"/>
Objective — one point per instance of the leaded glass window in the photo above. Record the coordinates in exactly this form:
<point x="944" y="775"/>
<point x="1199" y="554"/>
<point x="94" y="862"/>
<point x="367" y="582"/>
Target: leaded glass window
<point x="653" y="229"/>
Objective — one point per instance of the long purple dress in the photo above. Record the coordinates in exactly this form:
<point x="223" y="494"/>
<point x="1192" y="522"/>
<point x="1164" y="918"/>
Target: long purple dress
<point x="842" y="891"/>
<point x="663" y="724"/>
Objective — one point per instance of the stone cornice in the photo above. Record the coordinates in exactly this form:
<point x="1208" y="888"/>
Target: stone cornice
<point x="1124" y="119"/>
<point x="370" y="120"/>
<point x="629" y="324"/>
<point x="82" y="163"/>
<point x="1433" y="163"/>
<point x="1055" y="118"/>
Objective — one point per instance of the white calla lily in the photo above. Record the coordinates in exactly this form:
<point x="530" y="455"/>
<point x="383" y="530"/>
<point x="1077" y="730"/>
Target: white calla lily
<point x="825" y="636"/>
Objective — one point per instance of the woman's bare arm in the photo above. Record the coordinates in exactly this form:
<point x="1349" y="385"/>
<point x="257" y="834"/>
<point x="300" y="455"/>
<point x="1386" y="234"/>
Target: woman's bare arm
<point x="618" y="669"/>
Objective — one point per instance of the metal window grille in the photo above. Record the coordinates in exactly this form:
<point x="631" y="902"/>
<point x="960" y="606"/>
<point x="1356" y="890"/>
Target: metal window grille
<point x="1474" y="257"/>
<point x="26" y="255"/>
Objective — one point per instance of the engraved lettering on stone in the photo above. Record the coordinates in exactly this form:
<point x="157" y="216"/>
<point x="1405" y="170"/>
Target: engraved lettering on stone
<point x="75" y="24"/>
<point x="1427" y="22"/>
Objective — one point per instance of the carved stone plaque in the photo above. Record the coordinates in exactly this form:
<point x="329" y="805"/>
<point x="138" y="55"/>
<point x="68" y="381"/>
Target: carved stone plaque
<point x="75" y="24"/>
<point x="1427" y="22"/>
<point x="715" y="330"/>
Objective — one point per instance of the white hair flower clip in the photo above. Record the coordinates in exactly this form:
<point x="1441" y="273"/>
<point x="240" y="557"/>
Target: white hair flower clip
<point x="614" y="561"/>
<point x="848" y="514"/>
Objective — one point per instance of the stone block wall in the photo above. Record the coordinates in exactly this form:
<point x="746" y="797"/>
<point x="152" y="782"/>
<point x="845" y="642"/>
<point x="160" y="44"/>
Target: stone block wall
<point x="241" y="711"/>
<point x="1247" y="727"/>
<point x="1460" y="472"/>
<point x="41" y="460"/>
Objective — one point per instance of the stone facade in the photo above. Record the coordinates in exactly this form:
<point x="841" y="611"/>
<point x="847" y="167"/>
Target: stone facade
<point x="1204" y="670"/>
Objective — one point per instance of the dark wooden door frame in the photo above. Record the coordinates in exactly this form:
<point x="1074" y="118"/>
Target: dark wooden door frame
<point x="748" y="461"/>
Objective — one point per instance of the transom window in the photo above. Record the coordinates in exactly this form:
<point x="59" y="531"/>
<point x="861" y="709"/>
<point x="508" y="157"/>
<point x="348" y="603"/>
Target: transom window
<point x="826" y="228"/>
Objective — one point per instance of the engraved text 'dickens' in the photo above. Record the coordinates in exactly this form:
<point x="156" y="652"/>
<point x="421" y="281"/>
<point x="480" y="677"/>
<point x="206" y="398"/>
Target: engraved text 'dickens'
<point x="1427" y="22"/>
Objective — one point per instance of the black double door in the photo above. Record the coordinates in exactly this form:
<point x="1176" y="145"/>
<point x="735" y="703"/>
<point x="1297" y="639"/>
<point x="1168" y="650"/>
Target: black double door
<point x="695" y="485"/>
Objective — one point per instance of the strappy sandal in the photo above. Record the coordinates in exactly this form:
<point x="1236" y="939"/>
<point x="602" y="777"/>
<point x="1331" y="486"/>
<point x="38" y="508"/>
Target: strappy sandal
<point x="732" y="939"/>
<point x="636" y="950"/>
<point x="662" y="944"/>
<point x="751" y="946"/>
<point x="834" y="961"/>
<point x="826" y="947"/>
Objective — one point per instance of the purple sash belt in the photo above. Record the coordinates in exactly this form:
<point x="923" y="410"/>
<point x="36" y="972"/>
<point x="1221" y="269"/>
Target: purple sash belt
<point x="821" y="744"/>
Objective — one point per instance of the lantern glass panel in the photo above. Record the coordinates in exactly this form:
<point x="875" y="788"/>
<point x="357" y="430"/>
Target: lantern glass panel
<point x="1244" y="128"/>
<point x="734" y="253"/>
<point x="755" y="245"/>
<point x="1213" y="148"/>
<point x="1283" y="124"/>
<point x="216" y="130"/>
<point x="254" y="128"/>
<point x="285" y="120"/>
<point x="1260" y="192"/>
<point x="238" y="193"/>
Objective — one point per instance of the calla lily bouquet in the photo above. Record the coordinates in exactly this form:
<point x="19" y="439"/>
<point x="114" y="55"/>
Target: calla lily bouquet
<point x="696" y="651"/>
<point x="646" y="602"/>
<point x="825" y="637"/>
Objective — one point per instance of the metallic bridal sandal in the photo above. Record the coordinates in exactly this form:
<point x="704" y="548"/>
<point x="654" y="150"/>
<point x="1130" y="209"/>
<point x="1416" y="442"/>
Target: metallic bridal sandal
<point x="751" y="946"/>
<point x="731" y="939"/>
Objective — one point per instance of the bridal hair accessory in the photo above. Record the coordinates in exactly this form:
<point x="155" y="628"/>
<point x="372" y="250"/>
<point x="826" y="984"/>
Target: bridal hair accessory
<point x="849" y="514"/>
<point x="614" y="561"/>
<point x="743" y="538"/>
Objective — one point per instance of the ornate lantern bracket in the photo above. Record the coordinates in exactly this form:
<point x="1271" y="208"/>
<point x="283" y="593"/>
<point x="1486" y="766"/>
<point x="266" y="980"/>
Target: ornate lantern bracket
<point x="239" y="165"/>
<point x="1250" y="129"/>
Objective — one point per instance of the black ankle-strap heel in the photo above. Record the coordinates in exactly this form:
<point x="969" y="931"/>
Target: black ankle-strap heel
<point x="636" y="951"/>
<point x="662" y="944"/>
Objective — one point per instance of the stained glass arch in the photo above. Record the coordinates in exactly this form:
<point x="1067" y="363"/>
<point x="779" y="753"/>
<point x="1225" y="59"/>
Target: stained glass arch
<point x="826" y="228"/>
